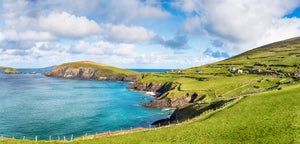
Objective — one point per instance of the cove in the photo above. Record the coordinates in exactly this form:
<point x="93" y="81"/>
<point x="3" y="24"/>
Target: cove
<point x="36" y="105"/>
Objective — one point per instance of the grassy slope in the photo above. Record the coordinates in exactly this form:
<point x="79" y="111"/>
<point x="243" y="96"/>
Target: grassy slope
<point x="216" y="81"/>
<point x="10" y="71"/>
<point x="269" y="117"/>
<point x="98" y="66"/>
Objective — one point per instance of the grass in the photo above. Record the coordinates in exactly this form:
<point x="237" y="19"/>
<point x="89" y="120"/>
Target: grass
<point x="269" y="117"/>
<point x="10" y="71"/>
<point x="99" y="66"/>
<point x="214" y="80"/>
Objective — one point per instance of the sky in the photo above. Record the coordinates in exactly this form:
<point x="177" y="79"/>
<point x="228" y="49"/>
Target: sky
<point x="140" y="33"/>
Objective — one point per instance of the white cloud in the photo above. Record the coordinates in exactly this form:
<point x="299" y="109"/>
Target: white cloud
<point x="65" y="24"/>
<point x="190" y="24"/>
<point x="131" y="10"/>
<point x="125" y="33"/>
<point x="13" y="35"/>
<point x="243" y="24"/>
<point x="103" y="48"/>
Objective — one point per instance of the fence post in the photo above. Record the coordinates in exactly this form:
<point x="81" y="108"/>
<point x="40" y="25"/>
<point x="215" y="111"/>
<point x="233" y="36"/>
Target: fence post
<point x="36" y="138"/>
<point x="58" y="138"/>
<point x="2" y="137"/>
<point x="50" y="138"/>
<point x="64" y="138"/>
<point x="72" y="137"/>
<point x="23" y="137"/>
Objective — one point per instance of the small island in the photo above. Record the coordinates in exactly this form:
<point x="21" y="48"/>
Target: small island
<point x="10" y="71"/>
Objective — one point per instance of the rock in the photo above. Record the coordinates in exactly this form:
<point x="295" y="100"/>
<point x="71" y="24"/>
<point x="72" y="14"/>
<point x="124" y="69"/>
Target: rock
<point x="92" y="71"/>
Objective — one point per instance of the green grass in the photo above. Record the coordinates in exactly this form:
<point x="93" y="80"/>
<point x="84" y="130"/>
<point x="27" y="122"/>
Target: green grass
<point x="269" y="117"/>
<point x="10" y="71"/>
<point x="104" y="67"/>
<point x="274" y="60"/>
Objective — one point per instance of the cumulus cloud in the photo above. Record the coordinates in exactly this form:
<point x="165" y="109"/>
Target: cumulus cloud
<point x="131" y="10"/>
<point x="215" y="54"/>
<point x="13" y="35"/>
<point x="237" y="24"/>
<point x="65" y="24"/>
<point x="180" y="41"/>
<point x="125" y="33"/>
<point x="102" y="48"/>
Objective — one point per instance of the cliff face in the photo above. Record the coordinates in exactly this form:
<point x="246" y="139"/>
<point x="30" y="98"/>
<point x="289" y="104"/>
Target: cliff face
<point x="161" y="91"/>
<point x="91" y="72"/>
<point x="157" y="88"/>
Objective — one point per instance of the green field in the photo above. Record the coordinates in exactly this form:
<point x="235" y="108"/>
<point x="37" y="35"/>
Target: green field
<point x="270" y="117"/>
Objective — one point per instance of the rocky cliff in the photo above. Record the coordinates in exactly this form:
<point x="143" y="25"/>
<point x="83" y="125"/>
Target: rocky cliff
<point x="161" y="91"/>
<point x="92" y="71"/>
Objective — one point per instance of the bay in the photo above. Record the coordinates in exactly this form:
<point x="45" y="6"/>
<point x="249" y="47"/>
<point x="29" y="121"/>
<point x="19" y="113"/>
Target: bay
<point x="35" y="105"/>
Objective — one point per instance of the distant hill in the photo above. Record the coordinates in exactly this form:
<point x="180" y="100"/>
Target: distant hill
<point x="262" y="69"/>
<point x="8" y="70"/>
<point x="282" y="56"/>
<point x="92" y="71"/>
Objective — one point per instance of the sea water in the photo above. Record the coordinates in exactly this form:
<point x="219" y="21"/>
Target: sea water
<point x="36" y="105"/>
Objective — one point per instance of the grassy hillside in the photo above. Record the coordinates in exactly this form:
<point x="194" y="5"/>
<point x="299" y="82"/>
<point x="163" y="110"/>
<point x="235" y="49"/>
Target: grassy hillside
<point x="262" y="68"/>
<point x="269" y="117"/>
<point x="92" y="71"/>
<point x="10" y="71"/>
<point x="98" y="66"/>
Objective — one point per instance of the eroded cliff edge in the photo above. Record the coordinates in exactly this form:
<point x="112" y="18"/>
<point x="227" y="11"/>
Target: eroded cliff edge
<point x="161" y="91"/>
<point x="92" y="71"/>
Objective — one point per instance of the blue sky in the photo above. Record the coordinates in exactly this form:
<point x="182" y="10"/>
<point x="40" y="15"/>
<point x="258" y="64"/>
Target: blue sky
<point x="140" y="33"/>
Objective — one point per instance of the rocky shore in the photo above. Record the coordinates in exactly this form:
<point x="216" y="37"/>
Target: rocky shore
<point x="161" y="90"/>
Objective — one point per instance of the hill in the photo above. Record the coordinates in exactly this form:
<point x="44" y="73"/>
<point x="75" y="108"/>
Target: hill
<point x="8" y="70"/>
<point x="275" y="58"/>
<point x="92" y="71"/>
<point x="269" y="117"/>
<point x="195" y="90"/>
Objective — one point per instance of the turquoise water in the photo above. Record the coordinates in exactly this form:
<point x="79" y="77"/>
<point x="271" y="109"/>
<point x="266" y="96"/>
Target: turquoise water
<point x="35" y="105"/>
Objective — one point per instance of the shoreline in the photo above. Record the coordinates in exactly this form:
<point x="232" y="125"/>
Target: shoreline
<point x="133" y="130"/>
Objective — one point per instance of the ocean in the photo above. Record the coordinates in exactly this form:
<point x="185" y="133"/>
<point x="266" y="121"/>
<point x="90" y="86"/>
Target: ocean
<point x="36" y="105"/>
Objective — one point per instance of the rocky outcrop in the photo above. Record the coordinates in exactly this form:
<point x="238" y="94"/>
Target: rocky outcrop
<point x="11" y="71"/>
<point x="89" y="73"/>
<point x="157" y="88"/>
<point x="161" y="92"/>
